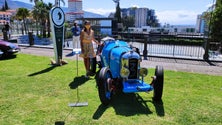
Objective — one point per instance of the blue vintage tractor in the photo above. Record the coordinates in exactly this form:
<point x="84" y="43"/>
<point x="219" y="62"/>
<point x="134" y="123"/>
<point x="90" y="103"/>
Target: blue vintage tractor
<point x="120" y="70"/>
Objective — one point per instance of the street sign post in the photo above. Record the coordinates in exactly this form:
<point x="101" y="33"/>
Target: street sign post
<point x="57" y="19"/>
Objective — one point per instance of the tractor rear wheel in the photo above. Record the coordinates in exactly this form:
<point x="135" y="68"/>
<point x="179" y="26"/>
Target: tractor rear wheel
<point x="104" y="84"/>
<point x="158" y="83"/>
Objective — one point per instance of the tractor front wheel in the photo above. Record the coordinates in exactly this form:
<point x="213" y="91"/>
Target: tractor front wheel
<point x="104" y="83"/>
<point x="158" y="83"/>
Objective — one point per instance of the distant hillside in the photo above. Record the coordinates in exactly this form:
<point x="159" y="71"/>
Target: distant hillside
<point x="86" y="14"/>
<point x="13" y="4"/>
<point x="16" y="4"/>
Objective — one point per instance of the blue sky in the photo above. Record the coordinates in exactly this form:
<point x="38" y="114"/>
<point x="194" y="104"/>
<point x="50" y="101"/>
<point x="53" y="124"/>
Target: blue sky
<point x="174" y="12"/>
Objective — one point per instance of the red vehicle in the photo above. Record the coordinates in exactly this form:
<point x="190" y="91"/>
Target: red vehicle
<point x="7" y="48"/>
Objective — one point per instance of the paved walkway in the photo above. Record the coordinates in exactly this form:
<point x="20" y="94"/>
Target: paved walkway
<point x="193" y="66"/>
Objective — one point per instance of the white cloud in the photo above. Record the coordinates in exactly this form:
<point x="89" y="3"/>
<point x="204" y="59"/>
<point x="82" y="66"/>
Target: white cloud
<point x="176" y="17"/>
<point x="101" y="11"/>
<point x="209" y="5"/>
<point x="134" y="5"/>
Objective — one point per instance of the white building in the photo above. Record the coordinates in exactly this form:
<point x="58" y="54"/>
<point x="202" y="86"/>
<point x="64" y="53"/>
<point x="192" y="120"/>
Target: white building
<point x="169" y="29"/>
<point x="140" y="17"/>
<point x="200" y="24"/>
<point x="74" y="10"/>
<point x="5" y="16"/>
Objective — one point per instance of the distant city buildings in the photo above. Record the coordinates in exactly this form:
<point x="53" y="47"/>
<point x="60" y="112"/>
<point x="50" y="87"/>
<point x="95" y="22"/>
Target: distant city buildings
<point x="201" y="22"/>
<point x="144" y="19"/>
<point x="5" y="16"/>
<point x="201" y="25"/>
<point x="142" y="16"/>
<point x="74" y="10"/>
<point x="164" y="29"/>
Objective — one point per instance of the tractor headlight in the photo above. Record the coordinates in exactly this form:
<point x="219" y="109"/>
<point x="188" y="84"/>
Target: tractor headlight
<point x="124" y="72"/>
<point x="124" y="62"/>
<point x="143" y="72"/>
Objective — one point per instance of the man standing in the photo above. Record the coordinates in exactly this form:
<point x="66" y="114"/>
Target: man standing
<point x="5" y="36"/>
<point x="7" y="28"/>
<point x="76" y="33"/>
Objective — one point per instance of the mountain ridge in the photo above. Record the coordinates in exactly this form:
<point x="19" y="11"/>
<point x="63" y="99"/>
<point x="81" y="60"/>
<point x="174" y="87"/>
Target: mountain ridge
<point x="14" y="4"/>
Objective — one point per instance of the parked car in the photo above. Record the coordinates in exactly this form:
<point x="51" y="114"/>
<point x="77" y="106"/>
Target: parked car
<point x="8" y="48"/>
<point x="1" y="53"/>
<point x="120" y="70"/>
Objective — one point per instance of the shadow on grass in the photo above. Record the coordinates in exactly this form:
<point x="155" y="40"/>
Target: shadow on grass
<point x="159" y="107"/>
<point x="43" y="71"/>
<point x="129" y="105"/>
<point x="3" y="57"/>
<point x="99" y="112"/>
<point x="77" y="81"/>
<point x="70" y="54"/>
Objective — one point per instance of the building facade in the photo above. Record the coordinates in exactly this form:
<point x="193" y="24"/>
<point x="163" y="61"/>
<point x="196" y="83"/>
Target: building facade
<point x="201" y="24"/>
<point x="142" y="16"/>
<point x="5" y="16"/>
<point x="74" y="10"/>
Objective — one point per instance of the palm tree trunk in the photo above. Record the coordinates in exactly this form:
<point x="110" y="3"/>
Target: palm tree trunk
<point x="37" y="29"/>
<point x="44" y="29"/>
<point x="48" y="26"/>
<point x="24" y="22"/>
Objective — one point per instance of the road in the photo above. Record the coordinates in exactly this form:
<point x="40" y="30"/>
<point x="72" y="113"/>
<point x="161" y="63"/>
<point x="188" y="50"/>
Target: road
<point x="193" y="66"/>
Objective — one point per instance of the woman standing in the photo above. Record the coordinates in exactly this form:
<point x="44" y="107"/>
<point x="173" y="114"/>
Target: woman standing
<point x="87" y="51"/>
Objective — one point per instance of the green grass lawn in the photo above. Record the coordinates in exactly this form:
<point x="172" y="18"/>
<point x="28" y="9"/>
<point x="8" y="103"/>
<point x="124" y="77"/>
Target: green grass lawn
<point x="32" y="92"/>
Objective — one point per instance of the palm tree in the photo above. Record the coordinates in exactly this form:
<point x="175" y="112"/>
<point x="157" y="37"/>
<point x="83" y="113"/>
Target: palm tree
<point x="116" y="1"/>
<point x="36" y="17"/>
<point x="35" y="1"/>
<point x="6" y="5"/>
<point x="40" y="13"/>
<point x="48" y="7"/>
<point x="56" y="1"/>
<point x="22" y="14"/>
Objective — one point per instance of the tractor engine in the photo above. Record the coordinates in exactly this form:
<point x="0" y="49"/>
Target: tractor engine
<point x="122" y="60"/>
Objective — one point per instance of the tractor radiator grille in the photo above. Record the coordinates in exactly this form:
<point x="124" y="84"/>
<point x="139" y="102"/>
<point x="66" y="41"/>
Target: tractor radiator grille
<point x="133" y="66"/>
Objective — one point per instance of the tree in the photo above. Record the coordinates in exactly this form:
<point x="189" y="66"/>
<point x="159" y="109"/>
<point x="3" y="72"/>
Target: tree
<point x="213" y="18"/>
<point x="6" y="5"/>
<point x="216" y="23"/>
<point x="58" y="2"/>
<point x="118" y="13"/>
<point x="218" y="2"/>
<point x="152" y="23"/>
<point x="36" y="17"/>
<point x="35" y="1"/>
<point x="3" y="8"/>
<point x="40" y="13"/>
<point x="22" y="13"/>
<point x="128" y="21"/>
<point x="48" y="7"/>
